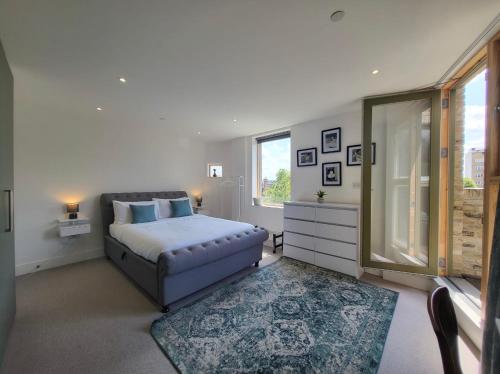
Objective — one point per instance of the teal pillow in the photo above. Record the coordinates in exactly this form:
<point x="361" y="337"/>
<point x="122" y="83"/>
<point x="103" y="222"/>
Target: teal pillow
<point x="181" y="208"/>
<point x="143" y="213"/>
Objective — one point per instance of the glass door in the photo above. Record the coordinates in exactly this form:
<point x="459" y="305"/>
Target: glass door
<point x="400" y="184"/>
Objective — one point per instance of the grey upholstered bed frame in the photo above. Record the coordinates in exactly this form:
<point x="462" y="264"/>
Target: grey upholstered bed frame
<point x="183" y="271"/>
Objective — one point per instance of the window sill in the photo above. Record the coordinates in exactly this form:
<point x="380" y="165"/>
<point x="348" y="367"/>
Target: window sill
<point x="268" y="206"/>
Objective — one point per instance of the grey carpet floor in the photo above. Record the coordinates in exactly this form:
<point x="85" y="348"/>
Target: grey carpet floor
<point x="89" y="318"/>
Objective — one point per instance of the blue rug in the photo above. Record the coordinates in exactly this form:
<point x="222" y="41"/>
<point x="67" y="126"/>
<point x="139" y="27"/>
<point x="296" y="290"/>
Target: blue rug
<point x="288" y="317"/>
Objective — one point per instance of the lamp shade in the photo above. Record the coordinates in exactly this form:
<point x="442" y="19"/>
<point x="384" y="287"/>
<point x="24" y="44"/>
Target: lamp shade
<point x="72" y="208"/>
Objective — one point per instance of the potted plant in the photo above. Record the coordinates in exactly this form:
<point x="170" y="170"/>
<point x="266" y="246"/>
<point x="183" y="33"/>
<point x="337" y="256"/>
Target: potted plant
<point x="320" y="196"/>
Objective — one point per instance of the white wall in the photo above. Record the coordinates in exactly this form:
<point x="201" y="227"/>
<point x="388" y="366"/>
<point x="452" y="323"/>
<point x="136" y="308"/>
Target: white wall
<point x="307" y="180"/>
<point x="237" y="157"/>
<point x="63" y="156"/>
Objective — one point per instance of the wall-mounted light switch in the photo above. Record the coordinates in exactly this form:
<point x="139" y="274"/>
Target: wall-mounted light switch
<point x="356" y="185"/>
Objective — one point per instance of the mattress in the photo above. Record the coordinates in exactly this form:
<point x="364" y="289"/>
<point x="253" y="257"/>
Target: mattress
<point x="150" y="239"/>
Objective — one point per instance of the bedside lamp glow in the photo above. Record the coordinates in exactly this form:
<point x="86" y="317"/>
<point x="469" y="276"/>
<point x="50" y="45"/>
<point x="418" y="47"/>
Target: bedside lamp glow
<point x="199" y="199"/>
<point x="72" y="209"/>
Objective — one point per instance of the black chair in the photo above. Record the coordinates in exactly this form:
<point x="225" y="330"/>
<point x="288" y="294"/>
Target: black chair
<point x="276" y="245"/>
<point x="444" y="323"/>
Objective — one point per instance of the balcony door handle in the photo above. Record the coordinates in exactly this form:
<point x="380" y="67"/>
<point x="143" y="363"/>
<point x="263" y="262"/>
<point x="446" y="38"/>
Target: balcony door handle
<point x="11" y="211"/>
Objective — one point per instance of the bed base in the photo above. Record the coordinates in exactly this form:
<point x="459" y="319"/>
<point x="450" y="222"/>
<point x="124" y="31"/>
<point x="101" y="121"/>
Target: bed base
<point x="166" y="289"/>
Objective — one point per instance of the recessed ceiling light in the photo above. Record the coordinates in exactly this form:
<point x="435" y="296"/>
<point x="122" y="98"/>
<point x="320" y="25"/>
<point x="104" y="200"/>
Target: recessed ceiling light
<point x="123" y="80"/>
<point x="199" y="132"/>
<point x="375" y="72"/>
<point x="98" y="109"/>
<point x="337" y="15"/>
<point x="235" y="120"/>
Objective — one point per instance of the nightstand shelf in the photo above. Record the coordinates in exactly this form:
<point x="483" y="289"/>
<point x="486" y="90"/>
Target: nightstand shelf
<point x="72" y="227"/>
<point x="201" y="210"/>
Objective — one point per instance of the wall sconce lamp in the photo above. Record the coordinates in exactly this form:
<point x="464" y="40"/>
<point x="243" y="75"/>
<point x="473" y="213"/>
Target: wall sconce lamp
<point x="72" y="209"/>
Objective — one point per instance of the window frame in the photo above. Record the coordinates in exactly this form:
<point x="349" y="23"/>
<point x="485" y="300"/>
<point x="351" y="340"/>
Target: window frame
<point x="285" y="134"/>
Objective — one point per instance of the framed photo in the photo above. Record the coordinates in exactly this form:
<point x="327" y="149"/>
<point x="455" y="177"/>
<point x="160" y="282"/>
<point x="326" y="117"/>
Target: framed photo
<point x="332" y="173"/>
<point x="330" y="140"/>
<point x="355" y="155"/>
<point x="307" y="157"/>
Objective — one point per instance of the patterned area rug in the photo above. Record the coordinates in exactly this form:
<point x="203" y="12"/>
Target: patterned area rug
<point x="288" y="317"/>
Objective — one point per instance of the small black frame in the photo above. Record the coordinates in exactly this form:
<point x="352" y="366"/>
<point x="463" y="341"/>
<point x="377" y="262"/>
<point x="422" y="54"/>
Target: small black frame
<point x="335" y="132"/>
<point x="325" y="177"/>
<point x="315" y="157"/>
<point x="359" y="146"/>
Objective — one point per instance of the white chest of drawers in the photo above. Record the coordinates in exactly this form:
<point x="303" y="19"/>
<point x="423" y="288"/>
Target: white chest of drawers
<point x="325" y="235"/>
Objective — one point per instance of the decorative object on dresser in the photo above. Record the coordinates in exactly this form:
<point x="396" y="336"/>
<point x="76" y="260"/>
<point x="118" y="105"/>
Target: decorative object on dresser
<point x="331" y="140"/>
<point x="307" y="157"/>
<point x="325" y="235"/>
<point x="320" y="196"/>
<point x="355" y="155"/>
<point x="332" y="173"/>
<point x="73" y="226"/>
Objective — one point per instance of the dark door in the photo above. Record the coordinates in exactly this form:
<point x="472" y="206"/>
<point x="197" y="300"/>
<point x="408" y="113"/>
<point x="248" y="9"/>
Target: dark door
<point x="7" y="285"/>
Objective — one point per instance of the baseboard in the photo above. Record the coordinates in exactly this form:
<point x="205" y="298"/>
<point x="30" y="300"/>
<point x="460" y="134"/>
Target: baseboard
<point x="31" y="267"/>
<point x="418" y="281"/>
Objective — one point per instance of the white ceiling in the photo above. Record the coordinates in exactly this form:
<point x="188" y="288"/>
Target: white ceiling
<point x="200" y="64"/>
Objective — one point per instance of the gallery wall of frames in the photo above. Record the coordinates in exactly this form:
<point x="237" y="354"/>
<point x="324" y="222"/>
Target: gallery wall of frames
<point x="331" y="142"/>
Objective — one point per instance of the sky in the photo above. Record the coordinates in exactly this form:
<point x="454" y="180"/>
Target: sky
<point x="275" y="156"/>
<point x="475" y="104"/>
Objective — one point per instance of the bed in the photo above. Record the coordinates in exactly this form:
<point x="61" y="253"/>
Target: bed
<point x="175" y="257"/>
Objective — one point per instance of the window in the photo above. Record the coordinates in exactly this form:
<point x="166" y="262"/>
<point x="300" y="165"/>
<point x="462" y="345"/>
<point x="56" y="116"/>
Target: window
<point x="273" y="169"/>
<point x="214" y="170"/>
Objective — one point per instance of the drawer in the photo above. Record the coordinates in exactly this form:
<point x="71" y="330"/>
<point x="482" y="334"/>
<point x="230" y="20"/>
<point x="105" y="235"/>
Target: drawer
<point x="302" y="227"/>
<point x="337" y="264"/>
<point x="346" y="234"/>
<point x="299" y="240"/>
<point x="337" y="216"/>
<point x="71" y="230"/>
<point x="300" y="212"/>
<point x="298" y="254"/>
<point x="329" y="247"/>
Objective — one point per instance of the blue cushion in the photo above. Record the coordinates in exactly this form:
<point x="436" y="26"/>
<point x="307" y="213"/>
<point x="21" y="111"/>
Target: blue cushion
<point x="181" y="208"/>
<point x="143" y="213"/>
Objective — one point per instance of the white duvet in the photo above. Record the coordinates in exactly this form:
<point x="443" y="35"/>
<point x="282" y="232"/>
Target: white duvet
<point x="150" y="239"/>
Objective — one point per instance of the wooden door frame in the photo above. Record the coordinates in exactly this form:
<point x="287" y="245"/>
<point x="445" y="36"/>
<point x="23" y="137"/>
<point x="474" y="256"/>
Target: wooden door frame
<point x="491" y="158"/>
<point x="368" y="104"/>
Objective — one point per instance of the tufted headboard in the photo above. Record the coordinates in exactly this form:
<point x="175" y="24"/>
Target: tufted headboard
<point x="108" y="216"/>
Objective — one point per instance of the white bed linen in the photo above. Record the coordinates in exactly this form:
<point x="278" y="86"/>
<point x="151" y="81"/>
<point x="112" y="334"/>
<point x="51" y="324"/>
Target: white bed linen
<point x="152" y="238"/>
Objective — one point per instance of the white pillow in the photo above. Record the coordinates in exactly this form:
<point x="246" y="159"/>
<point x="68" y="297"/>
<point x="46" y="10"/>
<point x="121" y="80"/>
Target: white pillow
<point x="123" y="214"/>
<point x="166" y="208"/>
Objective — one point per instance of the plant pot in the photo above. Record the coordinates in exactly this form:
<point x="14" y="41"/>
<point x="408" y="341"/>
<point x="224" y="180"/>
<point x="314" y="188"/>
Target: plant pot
<point x="320" y="199"/>
<point x="257" y="201"/>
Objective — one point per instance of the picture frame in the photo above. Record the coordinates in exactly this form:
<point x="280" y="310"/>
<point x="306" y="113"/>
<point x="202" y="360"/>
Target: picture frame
<point x="332" y="173"/>
<point x="331" y="141"/>
<point x="355" y="154"/>
<point x="307" y="157"/>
